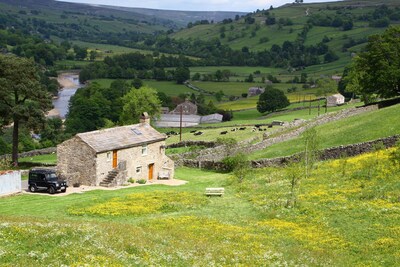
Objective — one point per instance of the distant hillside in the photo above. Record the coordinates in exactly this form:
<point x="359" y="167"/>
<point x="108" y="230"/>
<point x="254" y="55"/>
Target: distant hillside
<point x="182" y="18"/>
<point x="341" y="27"/>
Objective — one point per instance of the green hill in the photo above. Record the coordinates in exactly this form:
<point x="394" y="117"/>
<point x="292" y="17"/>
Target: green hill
<point x="342" y="27"/>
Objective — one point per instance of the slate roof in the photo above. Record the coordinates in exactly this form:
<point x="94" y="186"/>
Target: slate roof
<point x="121" y="137"/>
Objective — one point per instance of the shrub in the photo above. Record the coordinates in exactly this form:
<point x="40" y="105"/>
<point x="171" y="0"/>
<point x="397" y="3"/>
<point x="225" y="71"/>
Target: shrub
<point x="141" y="181"/>
<point x="131" y="180"/>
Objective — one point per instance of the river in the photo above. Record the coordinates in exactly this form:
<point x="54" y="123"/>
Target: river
<point x="70" y="83"/>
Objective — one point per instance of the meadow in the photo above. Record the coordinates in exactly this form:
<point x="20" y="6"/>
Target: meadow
<point x="344" y="216"/>
<point x="360" y="128"/>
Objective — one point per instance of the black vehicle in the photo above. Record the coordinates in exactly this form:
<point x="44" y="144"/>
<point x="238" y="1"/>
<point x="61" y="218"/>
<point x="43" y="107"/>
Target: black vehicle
<point x="45" y="179"/>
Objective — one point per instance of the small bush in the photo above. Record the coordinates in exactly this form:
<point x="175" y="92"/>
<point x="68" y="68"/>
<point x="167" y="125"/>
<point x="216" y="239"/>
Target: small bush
<point x="141" y="181"/>
<point x="131" y="180"/>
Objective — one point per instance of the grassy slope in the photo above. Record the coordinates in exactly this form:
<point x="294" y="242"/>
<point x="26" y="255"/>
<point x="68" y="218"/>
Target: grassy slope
<point x="89" y="18"/>
<point x="354" y="223"/>
<point x="249" y="118"/>
<point x="170" y="88"/>
<point x="239" y="34"/>
<point x="360" y="128"/>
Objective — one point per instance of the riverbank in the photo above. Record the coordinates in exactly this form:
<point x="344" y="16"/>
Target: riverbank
<point x="66" y="80"/>
<point x="69" y="82"/>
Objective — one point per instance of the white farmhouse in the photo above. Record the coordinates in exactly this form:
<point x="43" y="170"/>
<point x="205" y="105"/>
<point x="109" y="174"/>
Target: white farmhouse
<point x="335" y="100"/>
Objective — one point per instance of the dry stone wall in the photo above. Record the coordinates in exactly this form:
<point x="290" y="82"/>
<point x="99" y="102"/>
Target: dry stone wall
<point x="37" y="152"/>
<point x="289" y="131"/>
<point x="330" y="153"/>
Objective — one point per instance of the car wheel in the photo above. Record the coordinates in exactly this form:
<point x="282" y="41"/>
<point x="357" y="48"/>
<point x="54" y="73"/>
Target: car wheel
<point x="32" y="188"/>
<point x="52" y="190"/>
<point x="64" y="190"/>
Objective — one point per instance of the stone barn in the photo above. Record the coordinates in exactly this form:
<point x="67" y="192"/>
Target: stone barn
<point x="187" y="107"/>
<point x="335" y="100"/>
<point x="110" y="157"/>
<point x="253" y="91"/>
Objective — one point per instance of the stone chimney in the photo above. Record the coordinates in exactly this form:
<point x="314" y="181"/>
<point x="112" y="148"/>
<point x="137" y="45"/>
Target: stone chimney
<point x="145" y="118"/>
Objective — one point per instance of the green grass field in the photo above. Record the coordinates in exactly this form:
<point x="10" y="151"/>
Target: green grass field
<point x="169" y="88"/>
<point x="46" y="159"/>
<point x="355" y="129"/>
<point x="356" y="221"/>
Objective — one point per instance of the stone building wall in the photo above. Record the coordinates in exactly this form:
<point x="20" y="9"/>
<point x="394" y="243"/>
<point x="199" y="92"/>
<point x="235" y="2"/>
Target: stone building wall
<point x="76" y="162"/>
<point x="134" y="159"/>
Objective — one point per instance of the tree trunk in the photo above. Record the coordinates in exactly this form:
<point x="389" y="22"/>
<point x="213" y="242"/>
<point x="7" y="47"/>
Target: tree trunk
<point x="15" y="142"/>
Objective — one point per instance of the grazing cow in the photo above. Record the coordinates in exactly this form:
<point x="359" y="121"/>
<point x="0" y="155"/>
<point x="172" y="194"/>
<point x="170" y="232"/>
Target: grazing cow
<point x="254" y="129"/>
<point x="198" y="133"/>
<point x="193" y="131"/>
<point x="234" y="129"/>
<point x="257" y="125"/>
<point x="224" y="132"/>
<point x="242" y="128"/>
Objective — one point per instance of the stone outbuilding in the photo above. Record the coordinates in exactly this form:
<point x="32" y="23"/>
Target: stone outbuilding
<point x="335" y="100"/>
<point x="212" y="118"/>
<point x="187" y="107"/>
<point x="253" y="91"/>
<point x="111" y="156"/>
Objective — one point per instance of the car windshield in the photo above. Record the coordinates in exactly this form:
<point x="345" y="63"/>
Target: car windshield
<point x="51" y="176"/>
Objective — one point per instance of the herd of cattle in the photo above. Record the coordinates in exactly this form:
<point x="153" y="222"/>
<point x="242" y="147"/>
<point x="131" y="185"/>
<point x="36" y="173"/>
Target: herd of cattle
<point x="255" y="128"/>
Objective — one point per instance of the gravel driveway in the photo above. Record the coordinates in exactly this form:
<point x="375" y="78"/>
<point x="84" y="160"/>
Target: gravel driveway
<point x="84" y="188"/>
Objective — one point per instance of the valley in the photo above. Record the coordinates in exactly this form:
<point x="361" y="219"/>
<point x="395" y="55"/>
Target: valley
<point x="305" y="181"/>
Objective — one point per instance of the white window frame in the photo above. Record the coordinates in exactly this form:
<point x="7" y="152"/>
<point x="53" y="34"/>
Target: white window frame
<point x="109" y="156"/>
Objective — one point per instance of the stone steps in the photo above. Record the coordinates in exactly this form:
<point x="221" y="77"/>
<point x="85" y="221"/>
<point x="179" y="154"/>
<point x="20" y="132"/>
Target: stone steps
<point x="108" y="181"/>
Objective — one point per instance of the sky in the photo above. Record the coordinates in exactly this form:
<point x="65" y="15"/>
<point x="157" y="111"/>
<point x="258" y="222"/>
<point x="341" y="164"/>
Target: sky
<point x="196" y="5"/>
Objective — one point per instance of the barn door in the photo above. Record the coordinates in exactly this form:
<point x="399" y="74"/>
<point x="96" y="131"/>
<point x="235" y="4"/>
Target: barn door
<point x="115" y="159"/>
<point x="151" y="171"/>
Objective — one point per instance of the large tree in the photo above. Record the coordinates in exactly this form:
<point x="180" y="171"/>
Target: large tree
<point x="271" y="100"/>
<point x="377" y="70"/>
<point x="22" y="96"/>
<point x="137" y="101"/>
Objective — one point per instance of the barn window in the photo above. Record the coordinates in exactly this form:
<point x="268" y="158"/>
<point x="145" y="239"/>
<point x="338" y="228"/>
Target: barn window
<point x="108" y="156"/>
<point x="139" y="169"/>
<point x="144" y="150"/>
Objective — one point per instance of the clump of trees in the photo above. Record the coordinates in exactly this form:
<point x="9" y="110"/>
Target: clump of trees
<point x="271" y="100"/>
<point x="23" y="98"/>
<point x="375" y="72"/>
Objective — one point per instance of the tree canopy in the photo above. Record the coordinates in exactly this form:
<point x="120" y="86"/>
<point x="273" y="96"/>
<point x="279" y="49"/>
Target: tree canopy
<point x="137" y="101"/>
<point x="22" y="96"/>
<point x="271" y="100"/>
<point x="377" y="70"/>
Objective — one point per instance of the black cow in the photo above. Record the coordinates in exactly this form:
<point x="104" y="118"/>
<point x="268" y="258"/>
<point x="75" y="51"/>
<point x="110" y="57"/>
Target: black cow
<point x="198" y="133"/>
<point x="224" y="132"/>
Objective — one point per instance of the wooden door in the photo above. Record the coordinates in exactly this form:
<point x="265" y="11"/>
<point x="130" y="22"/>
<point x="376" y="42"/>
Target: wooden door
<point x="115" y="159"/>
<point x="151" y="170"/>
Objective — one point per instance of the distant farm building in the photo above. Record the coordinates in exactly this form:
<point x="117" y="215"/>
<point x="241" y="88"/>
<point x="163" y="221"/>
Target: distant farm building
<point x="111" y="156"/>
<point x="336" y="78"/>
<point x="335" y="100"/>
<point x="212" y="118"/>
<point x="174" y="120"/>
<point x="253" y="91"/>
<point x="187" y="108"/>
<point x="189" y="117"/>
